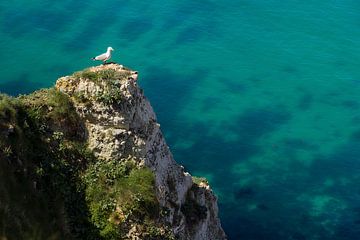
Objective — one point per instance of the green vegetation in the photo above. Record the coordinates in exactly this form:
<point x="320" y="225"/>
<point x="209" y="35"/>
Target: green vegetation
<point x="119" y="194"/>
<point x="109" y="80"/>
<point x="198" y="180"/>
<point x="50" y="104"/>
<point x="50" y="108"/>
<point x="81" y="98"/>
<point x="52" y="187"/>
<point x="106" y="75"/>
<point x="9" y="124"/>
<point x="110" y="97"/>
<point x="7" y="109"/>
<point x="86" y="74"/>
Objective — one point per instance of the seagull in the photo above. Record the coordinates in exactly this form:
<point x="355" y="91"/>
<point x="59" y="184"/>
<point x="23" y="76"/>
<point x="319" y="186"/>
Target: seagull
<point x="105" y="56"/>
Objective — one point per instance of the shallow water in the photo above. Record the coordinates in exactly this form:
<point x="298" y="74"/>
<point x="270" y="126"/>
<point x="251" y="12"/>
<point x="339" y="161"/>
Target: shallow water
<point x="259" y="96"/>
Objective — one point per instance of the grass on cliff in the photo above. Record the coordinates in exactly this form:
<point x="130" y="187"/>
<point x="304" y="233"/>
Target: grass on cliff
<point x="109" y="80"/>
<point x="11" y="122"/>
<point x="51" y="107"/>
<point x="119" y="194"/>
<point x="105" y="75"/>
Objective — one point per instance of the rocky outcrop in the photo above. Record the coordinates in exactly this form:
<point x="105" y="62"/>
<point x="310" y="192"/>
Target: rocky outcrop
<point x="120" y="123"/>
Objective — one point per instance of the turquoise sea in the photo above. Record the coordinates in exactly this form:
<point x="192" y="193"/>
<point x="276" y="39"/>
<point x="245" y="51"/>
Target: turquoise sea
<point x="259" y="96"/>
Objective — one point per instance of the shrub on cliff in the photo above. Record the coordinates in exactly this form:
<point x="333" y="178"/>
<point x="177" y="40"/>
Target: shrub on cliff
<point x="108" y="80"/>
<point x="52" y="109"/>
<point x="119" y="193"/>
<point x="104" y="76"/>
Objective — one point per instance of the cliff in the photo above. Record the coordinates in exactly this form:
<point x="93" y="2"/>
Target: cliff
<point x="87" y="160"/>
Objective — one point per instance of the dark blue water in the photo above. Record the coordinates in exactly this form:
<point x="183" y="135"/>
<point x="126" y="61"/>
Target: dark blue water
<point x="259" y="96"/>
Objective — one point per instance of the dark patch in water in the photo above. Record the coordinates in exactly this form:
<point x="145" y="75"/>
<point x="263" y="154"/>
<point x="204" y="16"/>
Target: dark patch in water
<point x="347" y="229"/>
<point x="244" y="192"/>
<point x="356" y="120"/>
<point x="342" y="166"/>
<point x="19" y="85"/>
<point x="60" y="70"/>
<point x="194" y="15"/>
<point x="186" y="10"/>
<point x="270" y="224"/>
<point x="262" y="207"/>
<point x="254" y="79"/>
<point x="188" y="35"/>
<point x="301" y="144"/>
<point x="304" y="219"/>
<point x="356" y="211"/>
<point x="255" y="123"/>
<point x="250" y="126"/>
<point x="305" y="102"/>
<point x="344" y="162"/>
<point x="290" y="69"/>
<point x="233" y="86"/>
<point x="239" y="228"/>
<point x="176" y="19"/>
<point x="95" y="27"/>
<point x="73" y="6"/>
<point x="173" y="94"/>
<point x="298" y="236"/>
<point x="209" y="103"/>
<point x="352" y="104"/>
<point x="133" y="29"/>
<point x="355" y="136"/>
<point x="16" y="23"/>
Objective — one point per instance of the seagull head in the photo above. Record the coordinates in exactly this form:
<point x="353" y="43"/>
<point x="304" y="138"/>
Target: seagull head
<point x="110" y="49"/>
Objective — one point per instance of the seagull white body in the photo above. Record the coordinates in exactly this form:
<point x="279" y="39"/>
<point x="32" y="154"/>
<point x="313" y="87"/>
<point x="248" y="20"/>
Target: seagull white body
<point x="105" y="56"/>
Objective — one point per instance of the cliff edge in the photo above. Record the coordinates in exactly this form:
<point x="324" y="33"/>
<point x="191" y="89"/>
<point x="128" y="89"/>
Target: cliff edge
<point x="96" y="137"/>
